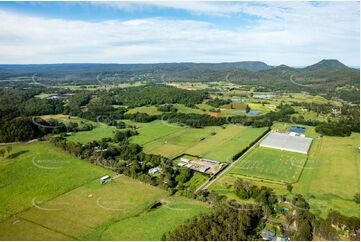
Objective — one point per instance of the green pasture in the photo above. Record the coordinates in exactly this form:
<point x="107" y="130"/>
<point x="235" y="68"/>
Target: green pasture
<point x="97" y="133"/>
<point x="100" y="130"/>
<point x="226" y="142"/>
<point x="220" y="143"/>
<point x="48" y="194"/>
<point x="85" y="211"/>
<point x="152" y="224"/>
<point x="329" y="179"/>
<point x="42" y="172"/>
<point x="331" y="175"/>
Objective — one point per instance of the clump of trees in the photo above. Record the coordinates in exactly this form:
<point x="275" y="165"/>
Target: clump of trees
<point x="217" y="102"/>
<point x="167" y="108"/>
<point x="223" y="224"/>
<point x="156" y="94"/>
<point x="334" y="129"/>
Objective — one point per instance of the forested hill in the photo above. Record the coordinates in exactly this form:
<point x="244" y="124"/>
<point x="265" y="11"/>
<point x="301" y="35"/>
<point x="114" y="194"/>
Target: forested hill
<point x="328" y="77"/>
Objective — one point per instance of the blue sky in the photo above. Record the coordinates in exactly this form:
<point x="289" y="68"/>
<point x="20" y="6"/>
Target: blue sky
<point x="292" y="33"/>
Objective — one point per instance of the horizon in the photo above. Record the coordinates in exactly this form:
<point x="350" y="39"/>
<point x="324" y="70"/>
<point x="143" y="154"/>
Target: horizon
<point x="296" y="34"/>
<point x="159" y="63"/>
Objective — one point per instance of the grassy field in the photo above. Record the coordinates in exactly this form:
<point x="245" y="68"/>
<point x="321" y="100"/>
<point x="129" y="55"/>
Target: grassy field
<point x="226" y="143"/>
<point x="329" y="180"/>
<point x="152" y="224"/>
<point x="99" y="131"/>
<point x="58" y="197"/>
<point x="212" y="142"/>
<point x="271" y="164"/>
<point x="40" y="171"/>
<point x="331" y="176"/>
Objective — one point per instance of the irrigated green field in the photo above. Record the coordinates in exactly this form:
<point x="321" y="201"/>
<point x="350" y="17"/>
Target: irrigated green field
<point x="329" y="180"/>
<point x="57" y="197"/>
<point x="170" y="140"/>
<point x="272" y="164"/>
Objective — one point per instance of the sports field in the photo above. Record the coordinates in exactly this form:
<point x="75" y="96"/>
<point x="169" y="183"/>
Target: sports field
<point x="68" y="202"/>
<point x="272" y="164"/>
<point x="170" y="140"/>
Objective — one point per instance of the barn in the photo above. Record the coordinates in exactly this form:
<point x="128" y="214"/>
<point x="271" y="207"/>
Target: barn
<point x="287" y="142"/>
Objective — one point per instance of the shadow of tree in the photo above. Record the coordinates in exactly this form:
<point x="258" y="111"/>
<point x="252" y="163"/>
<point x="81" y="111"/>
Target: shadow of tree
<point x="14" y="155"/>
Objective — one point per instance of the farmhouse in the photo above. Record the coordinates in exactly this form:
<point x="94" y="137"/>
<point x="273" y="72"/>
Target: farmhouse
<point x="155" y="170"/>
<point x="287" y="142"/>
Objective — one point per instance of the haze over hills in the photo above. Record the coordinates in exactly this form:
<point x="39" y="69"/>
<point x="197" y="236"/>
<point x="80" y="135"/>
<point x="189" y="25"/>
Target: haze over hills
<point x="112" y="67"/>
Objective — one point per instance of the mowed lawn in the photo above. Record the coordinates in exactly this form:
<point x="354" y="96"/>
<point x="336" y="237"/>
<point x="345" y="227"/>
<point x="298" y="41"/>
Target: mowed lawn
<point x="213" y="142"/>
<point x="39" y="171"/>
<point x="271" y="164"/>
<point x="331" y="176"/>
<point x="226" y="143"/>
<point x="152" y="224"/>
<point x="99" y="132"/>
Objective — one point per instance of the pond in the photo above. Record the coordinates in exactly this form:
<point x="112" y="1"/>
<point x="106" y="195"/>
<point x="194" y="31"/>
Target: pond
<point x="252" y="112"/>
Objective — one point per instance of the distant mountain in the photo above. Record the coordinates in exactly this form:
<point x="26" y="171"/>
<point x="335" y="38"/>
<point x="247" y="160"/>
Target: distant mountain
<point x="245" y="65"/>
<point x="327" y="65"/>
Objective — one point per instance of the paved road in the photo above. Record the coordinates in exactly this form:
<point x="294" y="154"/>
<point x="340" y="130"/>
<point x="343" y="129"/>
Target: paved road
<point x="210" y="182"/>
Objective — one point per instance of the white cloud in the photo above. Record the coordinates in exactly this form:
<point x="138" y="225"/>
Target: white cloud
<point x="290" y="33"/>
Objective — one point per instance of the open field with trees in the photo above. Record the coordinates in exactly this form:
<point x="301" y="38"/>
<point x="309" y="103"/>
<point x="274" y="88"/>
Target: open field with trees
<point x="63" y="200"/>
<point x="130" y="121"/>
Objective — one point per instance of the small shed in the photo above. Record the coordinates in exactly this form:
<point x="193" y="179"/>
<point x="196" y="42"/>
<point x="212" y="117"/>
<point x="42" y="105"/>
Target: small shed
<point x="105" y="179"/>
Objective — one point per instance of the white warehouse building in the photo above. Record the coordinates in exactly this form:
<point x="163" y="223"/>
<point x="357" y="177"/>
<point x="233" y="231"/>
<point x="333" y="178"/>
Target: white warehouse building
<point x="287" y="142"/>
